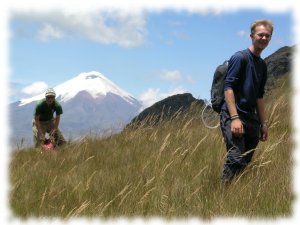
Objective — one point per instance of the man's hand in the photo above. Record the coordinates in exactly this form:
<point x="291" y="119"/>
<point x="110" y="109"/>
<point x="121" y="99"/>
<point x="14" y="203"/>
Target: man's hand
<point x="263" y="133"/>
<point x="41" y="136"/>
<point x="237" y="128"/>
<point x="53" y="131"/>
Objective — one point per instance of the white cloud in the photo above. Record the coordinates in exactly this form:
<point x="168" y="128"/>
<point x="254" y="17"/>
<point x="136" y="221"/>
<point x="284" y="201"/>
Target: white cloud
<point x="243" y="33"/>
<point x="190" y="79"/>
<point x="170" y="75"/>
<point x="48" y="32"/>
<point x="181" y="35"/>
<point x="175" y="75"/>
<point x="35" y="88"/>
<point x="126" y="29"/>
<point x="152" y="95"/>
<point x="175" y="23"/>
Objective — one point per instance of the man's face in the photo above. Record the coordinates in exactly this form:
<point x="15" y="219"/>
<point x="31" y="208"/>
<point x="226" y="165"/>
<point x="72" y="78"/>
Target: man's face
<point x="261" y="37"/>
<point x="50" y="99"/>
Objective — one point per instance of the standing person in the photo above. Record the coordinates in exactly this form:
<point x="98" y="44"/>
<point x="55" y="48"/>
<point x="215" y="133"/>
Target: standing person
<point x="243" y="120"/>
<point x="45" y="122"/>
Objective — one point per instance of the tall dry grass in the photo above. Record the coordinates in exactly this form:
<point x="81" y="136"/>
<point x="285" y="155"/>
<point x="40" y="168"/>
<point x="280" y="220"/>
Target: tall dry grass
<point x="170" y="170"/>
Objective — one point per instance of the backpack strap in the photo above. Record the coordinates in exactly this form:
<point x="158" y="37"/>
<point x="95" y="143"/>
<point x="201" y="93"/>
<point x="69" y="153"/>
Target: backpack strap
<point x="245" y="61"/>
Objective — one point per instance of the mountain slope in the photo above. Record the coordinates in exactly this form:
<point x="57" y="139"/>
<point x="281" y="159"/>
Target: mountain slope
<point x="279" y="64"/>
<point x="94" y="83"/>
<point x="166" y="109"/>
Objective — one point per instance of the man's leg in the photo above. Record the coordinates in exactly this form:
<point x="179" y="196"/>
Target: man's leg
<point x="59" y="138"/>
<point x="36" y="139"/>
<point x="235" y="147"/>
<point x="252" y="129"/>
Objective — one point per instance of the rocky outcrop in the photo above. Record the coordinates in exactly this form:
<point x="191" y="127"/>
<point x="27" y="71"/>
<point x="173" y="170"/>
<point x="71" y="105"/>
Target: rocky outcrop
<point x="165" y="109"/>
<point x="280" y="62"/>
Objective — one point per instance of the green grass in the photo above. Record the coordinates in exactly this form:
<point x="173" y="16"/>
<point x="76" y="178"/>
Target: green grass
<point x="171" y="170"/>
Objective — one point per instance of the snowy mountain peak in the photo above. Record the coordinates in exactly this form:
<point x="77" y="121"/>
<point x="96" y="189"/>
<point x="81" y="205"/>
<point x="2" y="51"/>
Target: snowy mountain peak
<point x="92" y="82"/>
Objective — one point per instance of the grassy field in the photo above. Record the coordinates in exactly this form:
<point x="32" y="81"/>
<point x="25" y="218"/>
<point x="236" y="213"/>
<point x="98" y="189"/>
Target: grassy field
<point x="171" y="170"/>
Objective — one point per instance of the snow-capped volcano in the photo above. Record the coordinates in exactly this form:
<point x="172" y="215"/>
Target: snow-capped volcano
<point x="92" y="105"/>
<point x="94" y="83"/>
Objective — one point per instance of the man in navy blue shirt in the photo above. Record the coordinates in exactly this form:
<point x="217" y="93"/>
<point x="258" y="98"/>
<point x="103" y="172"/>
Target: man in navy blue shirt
<point x="243" y="119"/>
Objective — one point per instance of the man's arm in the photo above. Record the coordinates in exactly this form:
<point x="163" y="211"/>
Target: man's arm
<point x="58" y="112"/>
<point x="237" y="128"/>
<point x="56" y="123"/>
<point x="230" y="101"/>
<point x="262" y="118"/>
<point x="38" y="126"/>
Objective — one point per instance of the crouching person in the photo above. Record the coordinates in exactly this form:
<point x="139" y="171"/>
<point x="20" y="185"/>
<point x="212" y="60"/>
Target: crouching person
<point x="44" y="122"/>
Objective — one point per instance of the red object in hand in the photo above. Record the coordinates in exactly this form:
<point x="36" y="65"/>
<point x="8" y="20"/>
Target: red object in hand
<point x="48" y="145"/>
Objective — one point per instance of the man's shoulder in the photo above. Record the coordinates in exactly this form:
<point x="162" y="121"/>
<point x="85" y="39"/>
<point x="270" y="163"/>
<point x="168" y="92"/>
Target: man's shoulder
<point x="239" y="54"/>
<point x="41" y="102"/>
<point x="238" y="57"/>
<point x="57" y="105"/>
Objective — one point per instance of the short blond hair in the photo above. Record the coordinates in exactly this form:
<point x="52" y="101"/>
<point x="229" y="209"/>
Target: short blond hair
<point x="266" y="23"/>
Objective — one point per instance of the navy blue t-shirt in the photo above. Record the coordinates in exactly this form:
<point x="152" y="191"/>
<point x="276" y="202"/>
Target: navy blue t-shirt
<point x="247" y="86"/>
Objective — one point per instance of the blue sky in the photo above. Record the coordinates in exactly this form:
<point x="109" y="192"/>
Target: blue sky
<point x="149" y="54"/>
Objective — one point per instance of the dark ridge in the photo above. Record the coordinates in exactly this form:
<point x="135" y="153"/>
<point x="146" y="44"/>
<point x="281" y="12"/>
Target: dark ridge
<point x="165" y="109"/>
<point x="279" y="64"/>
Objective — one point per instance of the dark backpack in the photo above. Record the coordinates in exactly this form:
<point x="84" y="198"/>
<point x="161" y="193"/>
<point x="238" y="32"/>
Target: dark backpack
<point x="217" y="87"/>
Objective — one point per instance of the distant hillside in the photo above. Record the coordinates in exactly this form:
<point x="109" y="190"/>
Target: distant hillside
<point x="166" y="109"/>
<point x="279" y="64"/>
